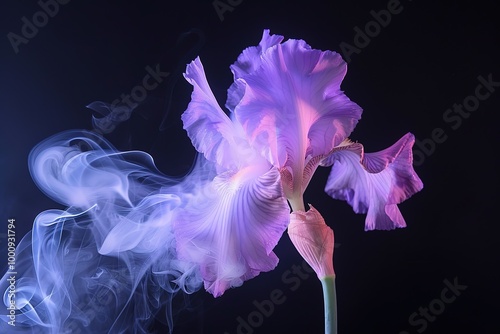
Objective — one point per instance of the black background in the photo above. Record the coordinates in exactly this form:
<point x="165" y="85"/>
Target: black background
<point x="425" y="60"/>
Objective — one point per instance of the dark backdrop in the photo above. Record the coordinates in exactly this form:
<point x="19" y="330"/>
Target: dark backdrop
<point x="406" y="76"/>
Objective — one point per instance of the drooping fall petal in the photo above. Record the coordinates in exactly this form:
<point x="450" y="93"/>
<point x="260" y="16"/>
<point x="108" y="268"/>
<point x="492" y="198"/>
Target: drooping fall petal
<point x="231" y="228"/>
<point x="313" y="239"/>
<point x="374" y="183"/>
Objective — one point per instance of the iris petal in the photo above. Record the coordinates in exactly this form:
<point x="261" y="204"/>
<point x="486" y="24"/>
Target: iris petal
<point x="248" y="61"/>
<point x="293" y="106"/>
<point x="374" y="183"/>
<point x="231" y="228"/>
<point x="209" y="128"/>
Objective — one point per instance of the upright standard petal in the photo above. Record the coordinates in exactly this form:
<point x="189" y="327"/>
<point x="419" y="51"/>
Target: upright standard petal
<point x="248" y="61"/>
<point x="374" y="183"/>
<point x="231" y="228"/>
<point x="209" y="128"/>
<point x="293" y="108"/>
<point x="251" y="58"/>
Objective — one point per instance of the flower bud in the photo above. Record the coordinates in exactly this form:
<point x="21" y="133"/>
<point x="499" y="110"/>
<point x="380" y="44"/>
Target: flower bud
<point x="313" y="239"/>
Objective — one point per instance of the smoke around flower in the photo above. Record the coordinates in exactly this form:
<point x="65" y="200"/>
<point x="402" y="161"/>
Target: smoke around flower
<point x="108" y="261"/>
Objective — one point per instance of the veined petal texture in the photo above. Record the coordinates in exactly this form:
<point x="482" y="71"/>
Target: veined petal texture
<point x="231" y="228"/>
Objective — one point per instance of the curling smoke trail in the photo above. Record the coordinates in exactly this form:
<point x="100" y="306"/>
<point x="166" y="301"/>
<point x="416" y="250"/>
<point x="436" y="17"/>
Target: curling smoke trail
<point x="108" y="262"/>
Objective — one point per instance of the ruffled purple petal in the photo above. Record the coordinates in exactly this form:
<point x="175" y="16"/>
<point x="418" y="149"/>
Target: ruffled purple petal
<point x="231" y="228"/>
<point x="293" y="107"/>
<point x="251" y="58"/>
<point x="248" y="61"/>
<point x="209" y="128"/>
<point x="374" y="183"/>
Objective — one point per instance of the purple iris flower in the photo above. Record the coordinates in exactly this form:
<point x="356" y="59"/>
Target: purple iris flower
<point x="287" y="116"/>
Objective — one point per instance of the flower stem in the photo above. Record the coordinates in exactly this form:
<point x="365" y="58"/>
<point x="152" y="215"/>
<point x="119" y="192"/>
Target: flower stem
<point x="297" y="204"/>
<point x="330" y="299"/>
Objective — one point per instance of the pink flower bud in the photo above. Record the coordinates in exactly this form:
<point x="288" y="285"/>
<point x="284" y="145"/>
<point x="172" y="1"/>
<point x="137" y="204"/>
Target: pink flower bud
<point x="313" y="239"/>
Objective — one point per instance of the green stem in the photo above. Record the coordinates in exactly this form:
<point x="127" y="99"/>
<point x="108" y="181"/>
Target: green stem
<point x="330" y="299"/>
